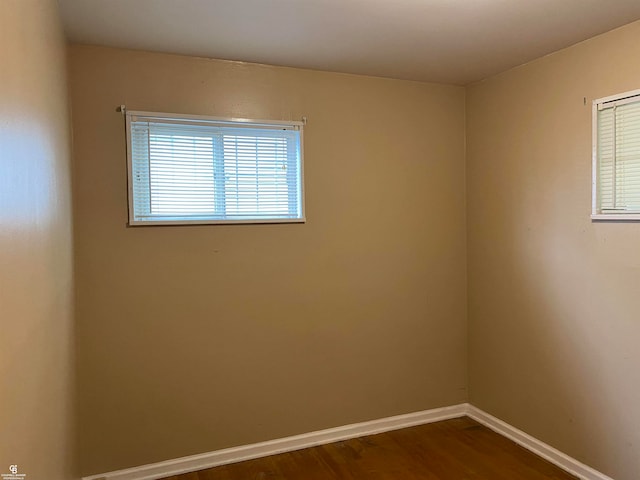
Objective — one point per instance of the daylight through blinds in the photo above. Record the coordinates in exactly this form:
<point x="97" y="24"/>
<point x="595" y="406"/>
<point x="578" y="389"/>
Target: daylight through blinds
<point x="198" y="170"/>
<point x="618" y="153"/>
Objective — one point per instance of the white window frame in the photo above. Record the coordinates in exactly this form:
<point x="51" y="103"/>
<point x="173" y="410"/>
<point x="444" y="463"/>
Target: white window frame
<point x="297" y="125"/>
<point x="596" y="213"/>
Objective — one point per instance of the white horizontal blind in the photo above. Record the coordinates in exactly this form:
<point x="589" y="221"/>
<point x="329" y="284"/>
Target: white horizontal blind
<point x="195" y="171"/>
<point x="618" y="153"/>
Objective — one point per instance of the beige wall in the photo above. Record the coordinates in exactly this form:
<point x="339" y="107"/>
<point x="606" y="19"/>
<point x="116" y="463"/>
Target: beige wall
<point x="198" y="338"/>
<point x="36" y="328"/>
<point x="554" y="299"/>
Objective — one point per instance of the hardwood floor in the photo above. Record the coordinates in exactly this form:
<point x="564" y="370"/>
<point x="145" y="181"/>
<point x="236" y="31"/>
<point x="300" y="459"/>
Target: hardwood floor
<point x="458" y="449"/>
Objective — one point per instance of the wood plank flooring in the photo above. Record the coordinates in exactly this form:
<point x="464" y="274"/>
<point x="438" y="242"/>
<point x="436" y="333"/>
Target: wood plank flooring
<point x="458" y="449"/>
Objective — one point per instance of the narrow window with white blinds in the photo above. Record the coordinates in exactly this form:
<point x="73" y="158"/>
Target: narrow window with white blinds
<point x="188" y="169"/>
<point x="617" y="157"/>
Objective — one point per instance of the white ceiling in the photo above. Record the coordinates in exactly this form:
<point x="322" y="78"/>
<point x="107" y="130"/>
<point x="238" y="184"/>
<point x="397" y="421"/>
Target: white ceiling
<point x="450" y="41"/>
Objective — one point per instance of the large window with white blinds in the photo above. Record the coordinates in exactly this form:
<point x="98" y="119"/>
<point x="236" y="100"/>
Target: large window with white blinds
<point x="192" y="169"/>
<point x="616" y="165"/>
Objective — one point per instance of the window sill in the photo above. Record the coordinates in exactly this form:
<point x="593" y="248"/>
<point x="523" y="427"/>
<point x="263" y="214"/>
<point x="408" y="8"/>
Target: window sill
<point x="150" y="223"/>
<point x="616" y="217"/>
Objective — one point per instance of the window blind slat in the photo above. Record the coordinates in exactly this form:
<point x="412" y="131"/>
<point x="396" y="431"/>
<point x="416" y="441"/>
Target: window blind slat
<point x="618" y="156"/>
<point x="189" y="171"/>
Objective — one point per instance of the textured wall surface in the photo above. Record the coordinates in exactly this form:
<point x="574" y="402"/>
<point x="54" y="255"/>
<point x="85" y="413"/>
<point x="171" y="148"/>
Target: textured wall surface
<point x="554" y="299"/>
<point x="36" y="274"/>
<point x="197" y="338"/>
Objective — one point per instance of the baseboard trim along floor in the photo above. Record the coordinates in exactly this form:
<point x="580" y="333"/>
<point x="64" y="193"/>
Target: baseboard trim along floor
<point x="202" y="461"/>
<point x="553" y="455"/>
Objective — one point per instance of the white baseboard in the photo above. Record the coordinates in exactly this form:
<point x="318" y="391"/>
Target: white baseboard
<point x="565" y="462"/>
<point x="193" y="463"/>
